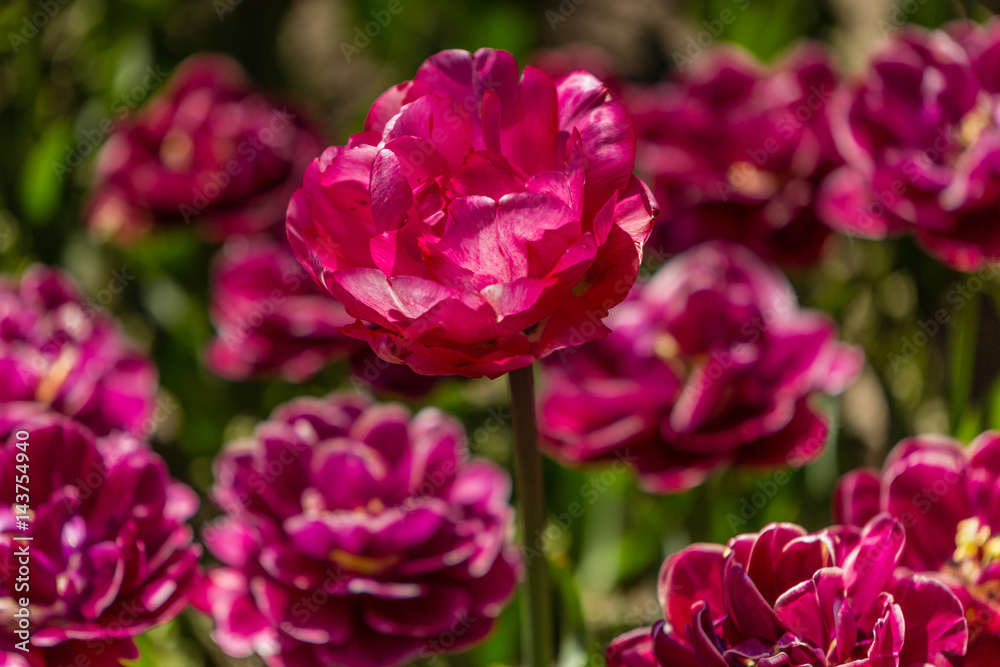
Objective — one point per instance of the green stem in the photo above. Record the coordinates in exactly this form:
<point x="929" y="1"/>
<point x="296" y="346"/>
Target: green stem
<point x="536" y="607"/>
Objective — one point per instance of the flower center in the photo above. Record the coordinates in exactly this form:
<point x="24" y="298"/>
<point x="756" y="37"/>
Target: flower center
<point x="177" y="150"/>
<point x="48" y="388"/>
<point x="974" y="123"/>
<point x="668" y="351"/>
<point x="748" y="179"/>
<point x="364" y="565"/>
<point x="666" y="347"/>
<point x="975" y="548"/>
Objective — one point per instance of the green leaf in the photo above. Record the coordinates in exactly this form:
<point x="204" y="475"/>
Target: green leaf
<point x="44" y="172"/>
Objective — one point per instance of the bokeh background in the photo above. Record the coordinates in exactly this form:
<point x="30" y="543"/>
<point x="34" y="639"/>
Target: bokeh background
<point x="62" y="77"/>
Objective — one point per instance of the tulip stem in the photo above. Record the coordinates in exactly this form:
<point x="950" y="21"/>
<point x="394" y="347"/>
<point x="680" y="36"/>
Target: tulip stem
<point x="962" y="357"/>
<point x="536" y="605"/>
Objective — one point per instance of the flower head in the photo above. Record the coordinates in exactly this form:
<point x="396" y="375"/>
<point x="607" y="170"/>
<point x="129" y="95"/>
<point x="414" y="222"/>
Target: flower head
<point x="60" y="352"/>
<point x="945" y="495"/>
<point x="272" y="319"/>
<point x="110" y="554"/>
<point x="919" y="135"/>
<point x="737" y="152"/>
<point x="559" y="61"/>
<point x="711" y="362"/>
<point x="208" y="149"/>
<point x="784" y="598"/>
<point x="355" y="534"/>
<point x="482" y="220"/>
<point x="270" y="316"/>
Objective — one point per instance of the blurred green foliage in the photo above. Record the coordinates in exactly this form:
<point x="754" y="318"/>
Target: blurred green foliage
<point x="85" y="63"/>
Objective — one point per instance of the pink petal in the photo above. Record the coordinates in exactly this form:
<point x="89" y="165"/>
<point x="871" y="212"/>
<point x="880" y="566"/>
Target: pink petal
<point x="391" y="197"/>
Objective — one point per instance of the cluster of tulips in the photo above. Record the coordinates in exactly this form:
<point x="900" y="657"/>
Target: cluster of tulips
<point x="485" y="218"/>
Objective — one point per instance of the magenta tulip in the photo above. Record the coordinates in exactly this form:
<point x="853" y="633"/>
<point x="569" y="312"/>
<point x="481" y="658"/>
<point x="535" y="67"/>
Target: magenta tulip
<point x="273" y="321"/>
<point x="711" y="363"/>
<point x="919" y="135"/>
<point x="787" y="598"/>
<point x="947" y="497"/>
<point x="110" y="554"/>
<point x="482" y="220"/>
<point x="735" y="151"/>
<point x="270" y="317"/>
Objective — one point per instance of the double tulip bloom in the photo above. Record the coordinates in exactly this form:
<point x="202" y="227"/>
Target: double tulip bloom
<point x="919" y="134"/>
<point x="710" y="363"/>
<point x="481" y="220"/>
<point x="355" y="534"/>
<point x="209" y="150"/>
<point x="110" y="554"/>
<point x="786" y="598"/>
<point x="60" y="352"/>
<point x="947" y="497"/>
<point x="736" y="151"/>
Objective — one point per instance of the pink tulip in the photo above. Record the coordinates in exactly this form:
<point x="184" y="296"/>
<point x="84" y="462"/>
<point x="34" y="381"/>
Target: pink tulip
<point x="947" y="497"/>
<point x="209" y="150"/>
<point x="355" y="534"/>
<point x="920" y="137"/>
<point x="711" y="363"/>
<point x="481" y="220"/>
